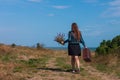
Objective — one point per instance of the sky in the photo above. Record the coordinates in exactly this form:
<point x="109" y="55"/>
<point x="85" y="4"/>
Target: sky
<point x="27" y="22"/>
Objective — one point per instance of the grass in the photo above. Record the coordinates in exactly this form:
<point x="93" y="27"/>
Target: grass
<point x="83" y="73"/>
<point x="107" y="64"/>
<point x="30" y="66"/>
<point x="32" y="63"/>
<point x="7" y="57"/>
<point x="22" y="79"/>
<point x="62" y="63"/>
<point x="20" y="63"/>
<point x="23" y="63"/>
<point x="118" y="74"/>
<point x="17" y="69"/>
<point x="101" y="67"/>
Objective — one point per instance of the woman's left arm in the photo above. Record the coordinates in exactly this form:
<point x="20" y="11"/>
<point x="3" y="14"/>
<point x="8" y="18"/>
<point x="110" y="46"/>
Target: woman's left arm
<point x="66" y="41"/>
<point x="69" y="38"/>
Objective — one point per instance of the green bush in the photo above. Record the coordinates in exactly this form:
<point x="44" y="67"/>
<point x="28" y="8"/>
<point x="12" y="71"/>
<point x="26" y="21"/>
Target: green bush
<point x="39" y="46"/>
<point x="109" y="46"/>
<point x="13" y="45"/>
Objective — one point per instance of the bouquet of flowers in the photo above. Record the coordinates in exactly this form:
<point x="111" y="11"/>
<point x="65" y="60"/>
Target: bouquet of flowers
<point x="60" y="38"/>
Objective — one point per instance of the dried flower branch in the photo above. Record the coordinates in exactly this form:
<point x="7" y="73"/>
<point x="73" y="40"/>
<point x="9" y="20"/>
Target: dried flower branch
<point x="60" y="38"/>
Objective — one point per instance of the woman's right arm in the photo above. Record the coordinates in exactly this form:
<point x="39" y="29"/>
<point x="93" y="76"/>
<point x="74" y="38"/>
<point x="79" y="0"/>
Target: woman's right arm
<point x="82" y="41"/>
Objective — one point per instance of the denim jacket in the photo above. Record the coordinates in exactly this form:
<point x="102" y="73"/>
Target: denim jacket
<point x="71" y="39"/>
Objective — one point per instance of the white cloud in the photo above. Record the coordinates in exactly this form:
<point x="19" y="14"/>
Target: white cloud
<point x="114" y="22"/>
<point x="95" y="33"/>
<point x="94" y="30"/>
<point x="113" y="10"/>
<point x="115" y="3"/>
<point x="60" y="7"/>
<point x="35" y="0"/>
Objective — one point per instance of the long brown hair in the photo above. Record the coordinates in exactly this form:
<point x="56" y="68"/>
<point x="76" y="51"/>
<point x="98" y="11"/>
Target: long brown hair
<point x="76" y="31"/>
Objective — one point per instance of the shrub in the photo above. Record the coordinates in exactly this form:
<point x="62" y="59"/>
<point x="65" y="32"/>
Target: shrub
<point x="39" y="46"/>
<point x="13" y="45"/>
<point x="109" y="46"/>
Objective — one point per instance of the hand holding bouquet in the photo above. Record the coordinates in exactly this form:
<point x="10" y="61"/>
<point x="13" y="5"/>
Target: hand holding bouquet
<point x="60" y="38"/>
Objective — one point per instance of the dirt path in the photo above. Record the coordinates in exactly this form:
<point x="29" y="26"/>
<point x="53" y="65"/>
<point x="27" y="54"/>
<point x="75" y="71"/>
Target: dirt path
<point x="102" y="76"/>
<point x="51" y="63"/>
<point x="53" y="72"/>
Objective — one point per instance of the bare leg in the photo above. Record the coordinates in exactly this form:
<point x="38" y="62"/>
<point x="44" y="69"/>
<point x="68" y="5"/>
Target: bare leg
<point x="77" y="62"/>
<point x="73" y="62"/>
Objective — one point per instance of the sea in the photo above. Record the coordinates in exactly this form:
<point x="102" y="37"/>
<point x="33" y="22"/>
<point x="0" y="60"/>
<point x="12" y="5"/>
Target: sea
<point x="65" y="48"/>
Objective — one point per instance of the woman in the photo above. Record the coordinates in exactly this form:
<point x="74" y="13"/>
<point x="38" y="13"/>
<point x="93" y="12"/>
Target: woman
<point x="74" y="49"/>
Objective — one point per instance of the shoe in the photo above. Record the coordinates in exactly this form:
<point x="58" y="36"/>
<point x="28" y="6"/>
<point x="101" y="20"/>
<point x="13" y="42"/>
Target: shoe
<point x="73" y="71"/>
<point x="77" y="71"/>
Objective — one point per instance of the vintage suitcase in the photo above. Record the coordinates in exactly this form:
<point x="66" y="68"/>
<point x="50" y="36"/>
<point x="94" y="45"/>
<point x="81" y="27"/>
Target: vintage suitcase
<point x="86" y="55"/>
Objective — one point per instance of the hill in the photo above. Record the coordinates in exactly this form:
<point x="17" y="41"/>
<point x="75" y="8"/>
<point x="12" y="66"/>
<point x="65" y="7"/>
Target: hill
<point x="107" y="57"/>
<point x="24" y="63"/>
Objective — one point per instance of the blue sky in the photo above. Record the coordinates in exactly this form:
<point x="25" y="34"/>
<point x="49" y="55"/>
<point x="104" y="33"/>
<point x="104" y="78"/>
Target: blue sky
<point x="27" y="22"/>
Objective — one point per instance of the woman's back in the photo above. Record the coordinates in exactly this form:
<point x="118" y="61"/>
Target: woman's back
<point x="72" y="38"/>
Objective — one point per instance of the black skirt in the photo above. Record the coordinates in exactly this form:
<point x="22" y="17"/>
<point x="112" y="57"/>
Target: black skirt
<point x="74" y="50"/>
